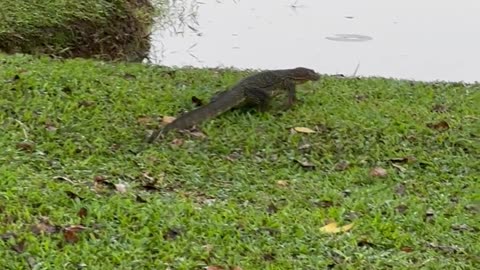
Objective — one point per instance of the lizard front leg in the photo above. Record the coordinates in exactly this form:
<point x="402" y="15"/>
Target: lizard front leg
<point x="258" y="97"/>
<point x="291" y="94"/>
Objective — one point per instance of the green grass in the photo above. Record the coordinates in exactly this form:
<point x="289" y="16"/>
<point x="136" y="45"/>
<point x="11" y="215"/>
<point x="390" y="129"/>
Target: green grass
<point x="217" y="200"/>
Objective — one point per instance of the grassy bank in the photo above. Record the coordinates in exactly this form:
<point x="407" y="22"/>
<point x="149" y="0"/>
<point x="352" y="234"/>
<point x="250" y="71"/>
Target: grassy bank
<point x="92" y="28"/>
<point x="252" y="193"/>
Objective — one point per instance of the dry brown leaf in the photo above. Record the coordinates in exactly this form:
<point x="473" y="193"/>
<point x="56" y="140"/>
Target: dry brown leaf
<point x="400" y="168"/>
<point x="304" y="130"/>
<point x="282" y="183"/>
<point x="332" y="227"/>
<point x="177" y="142"/>
<point x="26" y="146"/>
<point x="122" y="188"/>
<point x="342" y="165"/>
<point x="214" y="267"/>
<point x="305" y="164"/>
<point x="168" y="119"/>
<point x="439" y="126"/>
<point x="82" y="213"/>
<point x="144" y="120"/>
<point x="378" y="172"/>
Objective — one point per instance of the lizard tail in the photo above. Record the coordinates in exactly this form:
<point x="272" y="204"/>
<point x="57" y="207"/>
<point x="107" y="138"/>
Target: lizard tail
<point x="216" y="107"/>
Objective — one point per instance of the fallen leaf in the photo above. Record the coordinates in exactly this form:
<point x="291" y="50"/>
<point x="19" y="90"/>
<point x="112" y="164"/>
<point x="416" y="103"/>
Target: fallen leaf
<point x="400" y="189"/>
<point x="144" y="120"/>
<point x="462" y="227"/>
<point x="406" y="249"/>
<point x="214" y="267"/>
<point x="342" y="165"/>
<point x="122" y="188"/>
<point x="282" y="183"/>
<point x="304" y="130"/>
<point x="324" y="203"/>
<point x="429" y="215"/>
<point x="168" y="119"/>
<point x="439" y="126"/>
<point x="333" y="228"/>
<point x="86" y="103"/>
<point x="272" y="208"/>
<point x="198" y="134"/>
<point x="446" y="249"/>
<point x="82" y="213"/>
<point x="177" y="142"/>
<point x="400" y="168"/>
<point x="70" y="236"/>
<point x="378" y="172"/>
<point x="44" y="227"/>
<point x="407" y="159"/>
<point x="50" y="126"/>
<point x="20" y="246"/>
<point x="73" y="195"/>
<point x="172" y="233"/>
<point x="401" y="208"/>
<point x="8" y="235"/>
<point x="439" y="108"/>
<point x="26" y="146"/>
<point x="305" y="164"/>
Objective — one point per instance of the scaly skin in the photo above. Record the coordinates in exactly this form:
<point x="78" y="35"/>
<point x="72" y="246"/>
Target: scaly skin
<point x="256" y="89"/>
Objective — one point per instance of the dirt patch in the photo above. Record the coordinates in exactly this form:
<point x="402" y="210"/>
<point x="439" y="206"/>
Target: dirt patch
<point x="108" y="30"/>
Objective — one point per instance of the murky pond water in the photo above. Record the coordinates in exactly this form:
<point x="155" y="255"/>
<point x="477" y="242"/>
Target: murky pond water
<point x="410" y="39"/>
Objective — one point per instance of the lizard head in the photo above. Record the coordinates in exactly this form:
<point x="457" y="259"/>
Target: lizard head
<point x="301" y="75"/>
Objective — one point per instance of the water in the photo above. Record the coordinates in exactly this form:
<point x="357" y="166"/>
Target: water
<point x="424" y="40"/>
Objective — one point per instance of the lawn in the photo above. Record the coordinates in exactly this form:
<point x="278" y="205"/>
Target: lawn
<point x="397" y="159"/>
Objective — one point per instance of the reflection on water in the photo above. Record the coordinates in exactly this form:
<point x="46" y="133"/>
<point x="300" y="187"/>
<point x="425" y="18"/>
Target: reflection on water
<point x="410" y="39"/>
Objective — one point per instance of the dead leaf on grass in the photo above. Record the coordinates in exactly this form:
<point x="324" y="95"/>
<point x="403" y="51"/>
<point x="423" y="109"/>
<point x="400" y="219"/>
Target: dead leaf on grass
<point x="44" y="226"/>
<point x="439" y="108"/>
<point x="70" y="233"/>
<point x="177" y="142"/>
<point x="378" y="172"/>
<point x="400" y="168"/>
<point x="172" y="233"/>
<point x="168" y="119"/>
<point x="305" y="164"/>
<point x="26" y="146"/>
<point x="82" y="213"/>
<point x="407" y="159"/>
<point x="20" y="246"/>
<point x="443" y="248"/>
<point x="198" y="134"/>
<point x="304" y="130"/>
<point x="439" y="126"/>
<point x="332" y="227"/>
<point x="121" y="188"/>
<point x="406" y="249"/>
<point x="72" y="195"/>
<point x="342" y="165"/>
<point x="400" y="189"/>
<point x="401" y="208"/>
<point x="145" y="120"/>
<point x="282" y="183"/>
<point x="462" y="227"/>
<point x="214" y="267"/>
<point x="429" y="215"/>
<point x="86" y="103"/>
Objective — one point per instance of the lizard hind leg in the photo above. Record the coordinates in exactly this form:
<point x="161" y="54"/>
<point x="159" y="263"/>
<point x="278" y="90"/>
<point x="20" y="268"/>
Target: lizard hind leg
<point x="258" y="97"/>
